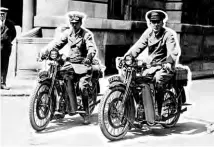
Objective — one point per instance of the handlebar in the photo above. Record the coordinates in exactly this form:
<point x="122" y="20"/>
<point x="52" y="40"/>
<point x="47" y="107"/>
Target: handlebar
<point x="136" y="63"/>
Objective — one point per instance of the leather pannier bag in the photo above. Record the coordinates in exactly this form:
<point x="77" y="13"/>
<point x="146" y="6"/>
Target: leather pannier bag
<point x="181" y="76"/>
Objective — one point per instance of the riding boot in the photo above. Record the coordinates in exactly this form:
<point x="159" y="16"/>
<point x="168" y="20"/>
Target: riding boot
<point x="86" y="109"/>
<point x="72" y="95"/>
<point x="159" y="98"/>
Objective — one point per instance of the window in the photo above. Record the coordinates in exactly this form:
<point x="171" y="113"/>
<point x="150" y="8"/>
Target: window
<point x="115" y="9"/>
<point x="198" y="12"/>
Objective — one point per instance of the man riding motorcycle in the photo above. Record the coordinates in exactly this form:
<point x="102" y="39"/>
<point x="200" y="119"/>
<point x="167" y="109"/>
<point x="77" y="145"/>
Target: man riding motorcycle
<point x="82" y="50"/>
<point x="163" y="48"/>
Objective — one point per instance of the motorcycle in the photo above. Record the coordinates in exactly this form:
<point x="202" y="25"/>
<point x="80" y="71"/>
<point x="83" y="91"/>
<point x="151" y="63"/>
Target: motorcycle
<point x="50" y="94"/>
<point x="125" y="104"/>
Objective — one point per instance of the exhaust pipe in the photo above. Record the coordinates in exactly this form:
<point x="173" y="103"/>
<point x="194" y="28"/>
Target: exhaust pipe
<point x="171" y="116"/>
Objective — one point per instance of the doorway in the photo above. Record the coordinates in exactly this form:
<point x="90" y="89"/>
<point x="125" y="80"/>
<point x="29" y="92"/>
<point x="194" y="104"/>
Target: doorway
<point x="15" y="10"/>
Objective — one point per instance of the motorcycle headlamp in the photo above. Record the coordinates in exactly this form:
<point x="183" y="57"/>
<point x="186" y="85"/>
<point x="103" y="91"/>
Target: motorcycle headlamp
<point x="128" y="60"/>
<point x="54" y="54"/>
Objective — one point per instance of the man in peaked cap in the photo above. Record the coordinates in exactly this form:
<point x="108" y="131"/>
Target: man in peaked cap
<point x="82" y="49"/>
<point x="162" y="47"/>
<point x="8" y="33"/>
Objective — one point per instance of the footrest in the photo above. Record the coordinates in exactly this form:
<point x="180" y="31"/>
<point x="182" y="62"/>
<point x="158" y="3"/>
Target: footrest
<point x="186" y="104"/>
<point x="183" y="110"/>
<point x="82" y="112"/>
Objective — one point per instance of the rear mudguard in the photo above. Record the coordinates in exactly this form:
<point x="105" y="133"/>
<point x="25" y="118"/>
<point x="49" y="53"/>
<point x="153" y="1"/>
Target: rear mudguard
<point x="129" y="104"/>
<point x="181" y="93"/>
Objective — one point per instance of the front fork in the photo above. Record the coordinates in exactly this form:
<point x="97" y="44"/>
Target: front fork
<point x="127" y="81"/>
<point x="52" y="85"/>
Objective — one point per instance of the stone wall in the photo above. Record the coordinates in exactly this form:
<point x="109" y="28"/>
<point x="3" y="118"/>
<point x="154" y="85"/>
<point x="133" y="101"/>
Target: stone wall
<point x="117" y="36"/>
<point x="61" y="7"/>
<point x="140" y="7"/>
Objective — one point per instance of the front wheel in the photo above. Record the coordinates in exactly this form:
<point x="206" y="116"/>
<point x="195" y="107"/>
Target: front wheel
<point x="112" y="117"/>
<point x="40" y="107"/>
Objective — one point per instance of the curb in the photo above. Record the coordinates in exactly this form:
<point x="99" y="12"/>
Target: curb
<point x="15" y="95"/>
<point x="202" y="74"/>
<point x="198" y="119"/>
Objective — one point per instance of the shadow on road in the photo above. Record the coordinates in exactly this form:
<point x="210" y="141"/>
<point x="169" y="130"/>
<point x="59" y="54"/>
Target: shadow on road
<point x="186" y="128"/>
<point x="68" y="123"/>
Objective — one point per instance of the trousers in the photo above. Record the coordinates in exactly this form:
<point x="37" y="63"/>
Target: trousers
<point x="84" y="83"/>
<point x="161" y="77"/>
<point x="4" y="66"/>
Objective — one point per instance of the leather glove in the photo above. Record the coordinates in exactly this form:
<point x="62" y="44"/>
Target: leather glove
<point x="167" y="66"/>
<point x="86" y="61"/>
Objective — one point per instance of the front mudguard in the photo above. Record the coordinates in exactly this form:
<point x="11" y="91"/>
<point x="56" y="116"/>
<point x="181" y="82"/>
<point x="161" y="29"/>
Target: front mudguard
<point x="44" y="79"/>
<point x="44" y="76"/>
<point x="130" y="101"/>
<point x="116" y="84"/>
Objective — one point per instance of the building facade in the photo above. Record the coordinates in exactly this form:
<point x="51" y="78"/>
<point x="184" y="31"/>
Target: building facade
<point x="116" y="24"/>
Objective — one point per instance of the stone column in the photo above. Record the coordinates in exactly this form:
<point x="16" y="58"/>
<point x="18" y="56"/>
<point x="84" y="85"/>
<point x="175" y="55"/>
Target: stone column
<point x="28" y="15"/>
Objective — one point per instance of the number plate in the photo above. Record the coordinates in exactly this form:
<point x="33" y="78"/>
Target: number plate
<point x="113" y="79"/>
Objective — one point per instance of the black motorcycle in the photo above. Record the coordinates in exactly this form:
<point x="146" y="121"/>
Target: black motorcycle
<point x="51" y="96"/>
<point x="125" y="105"/>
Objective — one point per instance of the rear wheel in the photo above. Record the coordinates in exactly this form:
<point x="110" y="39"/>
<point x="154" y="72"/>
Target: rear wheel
<point x="172" y="105"/>
<point x="40" y="107"/>
<point x="112" y="116"/>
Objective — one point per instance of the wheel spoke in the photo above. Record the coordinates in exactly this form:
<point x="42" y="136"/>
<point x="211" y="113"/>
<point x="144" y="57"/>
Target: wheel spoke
<point x="41" y="106"/>
<point x="113" y="119"/>
<point x="171" y="107"/>
<point x="115" y="114"/>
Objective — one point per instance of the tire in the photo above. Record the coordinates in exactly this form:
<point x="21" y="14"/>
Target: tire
<point x="41" y="107"/>
<point x="174" y="102"/>
<point x="106" y="108"/>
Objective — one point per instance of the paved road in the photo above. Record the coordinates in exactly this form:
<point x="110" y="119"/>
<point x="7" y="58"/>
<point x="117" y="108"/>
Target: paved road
<point x="191" y="129"/>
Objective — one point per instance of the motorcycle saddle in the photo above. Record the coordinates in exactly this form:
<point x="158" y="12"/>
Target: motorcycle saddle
<point x="81" y="68"/>
<point x="76" y="67"/>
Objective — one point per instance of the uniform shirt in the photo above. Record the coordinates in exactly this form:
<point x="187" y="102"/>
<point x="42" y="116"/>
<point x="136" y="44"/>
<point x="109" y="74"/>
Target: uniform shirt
<point x="8" y="33"/>
<point x="80" y="44"/>
<point x="162" y="47"/>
